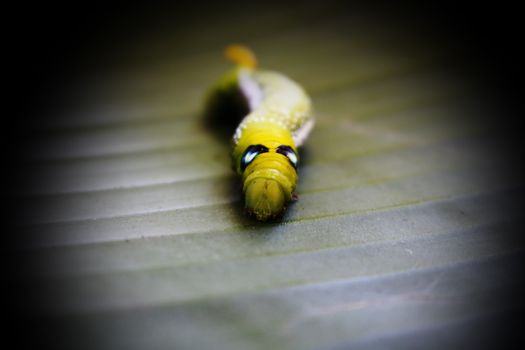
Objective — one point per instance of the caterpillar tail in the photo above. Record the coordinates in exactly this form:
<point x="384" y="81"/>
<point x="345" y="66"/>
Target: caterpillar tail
<point x="241" y="55"/>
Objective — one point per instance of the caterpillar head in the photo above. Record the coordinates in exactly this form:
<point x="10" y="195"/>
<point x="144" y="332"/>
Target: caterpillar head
<point x="269" y="178"/>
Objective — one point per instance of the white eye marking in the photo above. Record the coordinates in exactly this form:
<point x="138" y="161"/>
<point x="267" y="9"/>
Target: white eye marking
<point x="250" y="154"/>
<point x="292" y="157"/>
<point x="289" y="153"/>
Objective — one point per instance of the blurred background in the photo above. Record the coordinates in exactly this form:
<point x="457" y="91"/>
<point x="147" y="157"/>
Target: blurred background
<point x="125" y="220"/>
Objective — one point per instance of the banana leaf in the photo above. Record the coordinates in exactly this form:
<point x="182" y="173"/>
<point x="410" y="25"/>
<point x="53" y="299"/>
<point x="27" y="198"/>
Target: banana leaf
<point x="402" y="236"/>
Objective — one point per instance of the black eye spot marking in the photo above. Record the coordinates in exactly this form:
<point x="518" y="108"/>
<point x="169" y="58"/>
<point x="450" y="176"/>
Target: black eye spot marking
<point x="250" y="154"/>
<point x="289" y="153"/>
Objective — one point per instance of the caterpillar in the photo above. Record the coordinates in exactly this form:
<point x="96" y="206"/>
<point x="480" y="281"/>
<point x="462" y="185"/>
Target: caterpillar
<point x="276" y="120"/>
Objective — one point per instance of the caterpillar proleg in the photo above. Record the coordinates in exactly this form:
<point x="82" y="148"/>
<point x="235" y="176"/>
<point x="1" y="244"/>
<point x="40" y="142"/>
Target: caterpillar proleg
<point x="276" y="121"/>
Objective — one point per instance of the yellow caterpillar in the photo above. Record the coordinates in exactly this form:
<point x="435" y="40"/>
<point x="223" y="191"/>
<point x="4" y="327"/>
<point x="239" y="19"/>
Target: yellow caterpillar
<point x="277" y="120"/>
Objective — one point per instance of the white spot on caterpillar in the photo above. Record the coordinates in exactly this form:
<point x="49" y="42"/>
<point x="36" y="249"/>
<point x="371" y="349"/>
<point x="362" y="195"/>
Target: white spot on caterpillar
<point x="300" y="135"/>
<point x="251" y="90"/>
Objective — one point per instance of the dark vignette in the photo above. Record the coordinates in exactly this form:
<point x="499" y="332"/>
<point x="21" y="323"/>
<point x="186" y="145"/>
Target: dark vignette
<point x="53" y="46"/>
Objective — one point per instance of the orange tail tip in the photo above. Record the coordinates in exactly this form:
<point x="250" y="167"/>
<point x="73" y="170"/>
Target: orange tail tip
<point x="240" y="55"/>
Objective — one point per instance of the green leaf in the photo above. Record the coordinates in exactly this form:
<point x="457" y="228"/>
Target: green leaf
<point x="136" y="237"/>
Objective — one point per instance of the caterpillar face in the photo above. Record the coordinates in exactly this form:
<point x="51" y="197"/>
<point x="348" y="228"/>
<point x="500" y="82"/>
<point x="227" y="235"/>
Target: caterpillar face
<point x="269" y="179"/>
